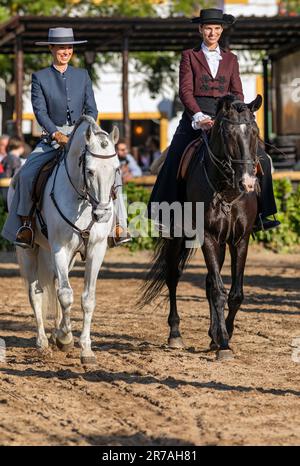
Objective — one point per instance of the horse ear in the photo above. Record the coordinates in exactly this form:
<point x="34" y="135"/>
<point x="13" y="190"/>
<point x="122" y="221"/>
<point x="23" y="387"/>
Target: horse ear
<point x="115" y="134"/>
<point x="88" y="133"/>
<point x="255" y="104"/>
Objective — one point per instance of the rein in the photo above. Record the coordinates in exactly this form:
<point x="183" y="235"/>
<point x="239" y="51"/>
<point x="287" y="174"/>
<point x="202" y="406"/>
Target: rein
<point x="84" y="195"/>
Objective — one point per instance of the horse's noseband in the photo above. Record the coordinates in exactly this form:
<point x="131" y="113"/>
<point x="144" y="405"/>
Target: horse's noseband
<point x="230" y="159"/>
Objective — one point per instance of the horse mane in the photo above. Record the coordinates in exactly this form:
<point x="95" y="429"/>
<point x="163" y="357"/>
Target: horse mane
<point x="94" y="127"/>
<point x="231" y="99"/>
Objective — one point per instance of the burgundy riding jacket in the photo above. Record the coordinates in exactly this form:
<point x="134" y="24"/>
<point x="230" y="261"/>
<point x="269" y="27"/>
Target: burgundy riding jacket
<point x="195" y="78"/>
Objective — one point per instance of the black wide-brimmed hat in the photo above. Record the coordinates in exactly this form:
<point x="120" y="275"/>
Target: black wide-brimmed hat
<point x="214" y="16"/>
<point x="63" y="36"/>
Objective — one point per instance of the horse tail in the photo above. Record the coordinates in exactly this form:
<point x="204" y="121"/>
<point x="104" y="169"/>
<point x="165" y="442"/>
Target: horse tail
<point x="46" y="279"/>
<point x="167" y="253"/>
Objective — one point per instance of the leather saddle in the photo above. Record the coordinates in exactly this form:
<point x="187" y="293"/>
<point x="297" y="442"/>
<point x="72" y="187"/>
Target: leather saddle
<point x="191" y="150"/>
<point x="41" y="180"/>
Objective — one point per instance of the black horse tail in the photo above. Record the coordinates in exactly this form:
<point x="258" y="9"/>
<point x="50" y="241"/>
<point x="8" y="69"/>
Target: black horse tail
<point x="169" y="254"/>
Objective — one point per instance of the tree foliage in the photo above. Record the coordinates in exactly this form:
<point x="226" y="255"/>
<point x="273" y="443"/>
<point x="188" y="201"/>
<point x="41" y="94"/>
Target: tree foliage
<point x="160" y="67"/>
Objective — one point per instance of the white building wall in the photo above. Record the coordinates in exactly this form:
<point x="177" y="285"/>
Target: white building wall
<point x="251" y="7"/>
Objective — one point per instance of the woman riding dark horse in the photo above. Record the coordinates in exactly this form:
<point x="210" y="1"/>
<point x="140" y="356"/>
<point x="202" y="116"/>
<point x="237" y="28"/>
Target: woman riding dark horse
<point x="208" y="73"/>
<point x="228" y="188"/>
<point x="223" y="176"/>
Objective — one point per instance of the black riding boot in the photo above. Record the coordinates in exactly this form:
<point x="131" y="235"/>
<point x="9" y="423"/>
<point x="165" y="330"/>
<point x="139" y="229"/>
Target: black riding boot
<point x="266" y="199"/>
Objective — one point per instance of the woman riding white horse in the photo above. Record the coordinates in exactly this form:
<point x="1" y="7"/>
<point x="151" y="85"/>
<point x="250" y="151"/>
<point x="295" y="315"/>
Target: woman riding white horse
<point x="78" y="210"/>
<point x="60" y="95"/>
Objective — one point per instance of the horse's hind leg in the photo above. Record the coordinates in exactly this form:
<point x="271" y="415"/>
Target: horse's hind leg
<point x="28" y="263"/>
<point x="64" y="337"/>
<point x="94" y="260"/>
<point x="236" y="295"/>
<point x="173" y="275"/>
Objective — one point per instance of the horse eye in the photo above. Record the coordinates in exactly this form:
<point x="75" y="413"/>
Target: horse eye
<point x="104" y="144"/>
<point x="91" y="173"/>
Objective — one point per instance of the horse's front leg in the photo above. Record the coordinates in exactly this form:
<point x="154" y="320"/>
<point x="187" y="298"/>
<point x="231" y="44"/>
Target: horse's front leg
<point x="64" y="338"/>
<point x="216" y="295"/>
<point x="238" y="260"/>
<point x="95" y="256"/>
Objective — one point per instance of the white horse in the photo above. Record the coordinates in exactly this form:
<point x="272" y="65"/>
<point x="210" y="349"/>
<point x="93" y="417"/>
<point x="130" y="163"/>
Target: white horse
<point x="78" y="211"/>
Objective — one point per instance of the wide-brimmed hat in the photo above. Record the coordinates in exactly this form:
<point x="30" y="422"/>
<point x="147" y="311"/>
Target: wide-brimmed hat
<point x="213" y="16"/>
<point x="62" y="36"/>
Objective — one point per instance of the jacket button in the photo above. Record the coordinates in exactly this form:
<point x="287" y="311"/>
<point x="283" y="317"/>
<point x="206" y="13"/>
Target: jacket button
<point x="74" y="122"/>
<point x="72" y="111"/>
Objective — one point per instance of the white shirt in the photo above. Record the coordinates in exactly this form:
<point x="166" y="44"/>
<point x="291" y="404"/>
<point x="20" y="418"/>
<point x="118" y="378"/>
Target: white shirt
<point x="212" y="57"/>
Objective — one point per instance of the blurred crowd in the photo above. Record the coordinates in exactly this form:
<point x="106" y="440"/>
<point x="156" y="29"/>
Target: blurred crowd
<point x="139" y="162"/>
<point x="13" y="153"/>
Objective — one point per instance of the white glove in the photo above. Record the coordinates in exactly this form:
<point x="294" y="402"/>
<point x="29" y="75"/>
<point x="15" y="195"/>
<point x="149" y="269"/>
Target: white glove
<point x="199" y="116"/>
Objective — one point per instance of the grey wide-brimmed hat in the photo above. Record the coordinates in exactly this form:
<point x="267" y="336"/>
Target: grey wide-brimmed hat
<point x="62" y="36"/>
<point x="214" y="16"/>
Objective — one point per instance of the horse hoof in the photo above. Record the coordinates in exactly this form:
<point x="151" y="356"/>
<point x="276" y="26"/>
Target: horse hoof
<point x="45" y="352"/>
<point x="88" y="360"/>
<point x="52" y="339"/>
<point x="225" y="355"/>
<point x="65" y="347"/>
<point x="213" y="346"/>
<point x="175" y="342"/>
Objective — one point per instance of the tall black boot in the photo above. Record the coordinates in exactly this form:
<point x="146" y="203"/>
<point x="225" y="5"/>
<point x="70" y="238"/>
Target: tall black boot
<point x="266" y="200"/>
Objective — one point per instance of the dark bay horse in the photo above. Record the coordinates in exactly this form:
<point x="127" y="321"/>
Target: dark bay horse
<point x="225" y="180"/>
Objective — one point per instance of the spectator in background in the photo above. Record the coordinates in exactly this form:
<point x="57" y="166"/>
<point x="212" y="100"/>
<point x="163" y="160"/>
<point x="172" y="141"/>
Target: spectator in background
<point x="153" y="146"/>
<point x="12" y="162"/>
<point x="129" y="166"/>
<point x="144" y="158"/>
<point x="4" y="140"/>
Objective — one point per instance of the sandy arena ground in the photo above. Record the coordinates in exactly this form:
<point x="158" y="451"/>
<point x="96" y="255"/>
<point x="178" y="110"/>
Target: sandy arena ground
<point x="141" y="392"/>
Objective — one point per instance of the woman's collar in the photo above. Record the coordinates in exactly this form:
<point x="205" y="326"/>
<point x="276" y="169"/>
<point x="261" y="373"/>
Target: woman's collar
<point x="207" y="50"/>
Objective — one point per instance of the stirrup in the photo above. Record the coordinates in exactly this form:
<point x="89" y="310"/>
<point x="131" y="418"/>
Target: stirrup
<point x="23" y="244"/>
<point x="267" y="225"/>
<point x="117" y="240"/>
<point x="114" y="242"/>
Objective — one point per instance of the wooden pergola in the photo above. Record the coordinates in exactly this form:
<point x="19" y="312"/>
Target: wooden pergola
<point x="274" y="35"/>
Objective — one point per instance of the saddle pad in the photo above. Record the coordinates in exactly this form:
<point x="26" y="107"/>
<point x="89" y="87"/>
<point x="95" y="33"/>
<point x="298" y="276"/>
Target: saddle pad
<point x="187" y="156"/>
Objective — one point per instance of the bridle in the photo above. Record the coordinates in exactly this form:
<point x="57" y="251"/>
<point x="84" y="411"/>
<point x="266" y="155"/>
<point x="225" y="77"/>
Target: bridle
<point x="225" y="166"/>
<point x="237" y="123"/>
<point x="84" y="194"/>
